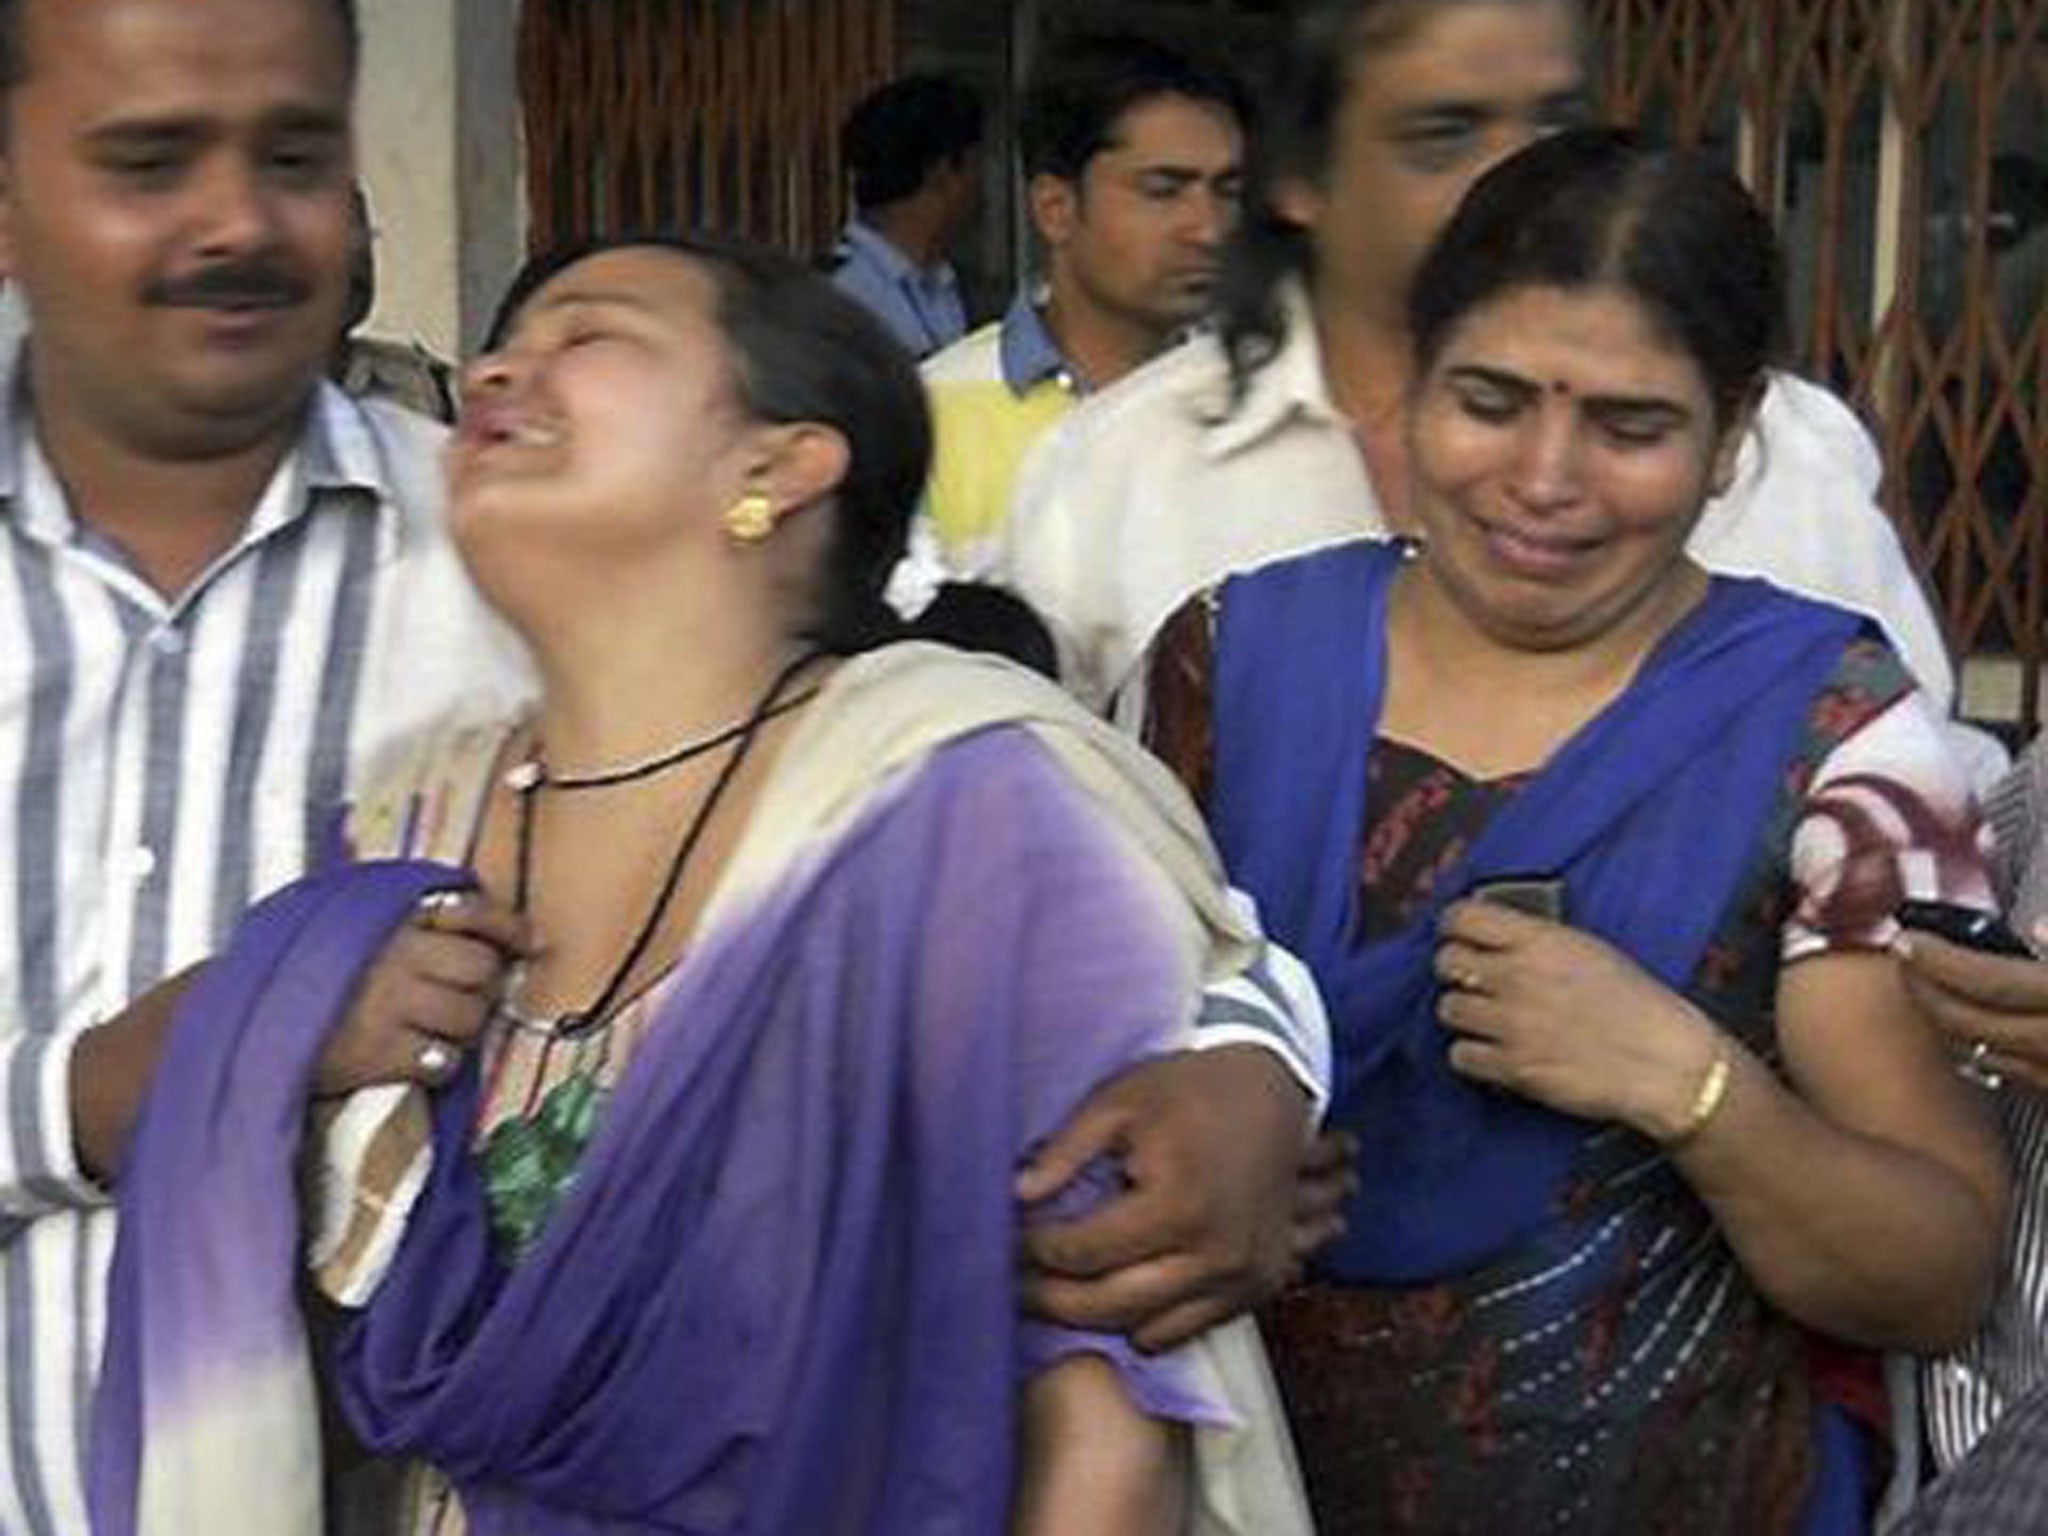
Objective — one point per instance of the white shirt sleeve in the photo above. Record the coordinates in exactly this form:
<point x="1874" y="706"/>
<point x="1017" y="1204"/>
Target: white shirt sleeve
<point x="39" y="1168"/>
<point x="1803" y="513"/>
<point x="1272" y="1004"/>
<point x="919" y="574"/>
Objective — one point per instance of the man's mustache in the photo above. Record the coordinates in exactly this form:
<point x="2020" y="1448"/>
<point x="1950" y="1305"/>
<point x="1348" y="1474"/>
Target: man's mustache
<point x="230" y="285"/>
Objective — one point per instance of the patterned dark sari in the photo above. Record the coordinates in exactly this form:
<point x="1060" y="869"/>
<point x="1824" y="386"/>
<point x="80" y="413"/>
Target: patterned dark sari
<point x="1533" y="1324"/>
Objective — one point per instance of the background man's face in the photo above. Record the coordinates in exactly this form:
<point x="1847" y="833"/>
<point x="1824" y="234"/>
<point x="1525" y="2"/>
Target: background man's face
<point x="1422" y="119"/>
<point x="1142" y="232"/>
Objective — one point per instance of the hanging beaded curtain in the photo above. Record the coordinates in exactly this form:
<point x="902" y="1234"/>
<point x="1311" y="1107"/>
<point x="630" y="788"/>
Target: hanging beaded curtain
<point x="1904" y="146"/>
<point x="708" y="114"/>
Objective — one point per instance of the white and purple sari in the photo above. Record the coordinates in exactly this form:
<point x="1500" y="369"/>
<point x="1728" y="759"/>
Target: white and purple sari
<point x="779" y="1294"/>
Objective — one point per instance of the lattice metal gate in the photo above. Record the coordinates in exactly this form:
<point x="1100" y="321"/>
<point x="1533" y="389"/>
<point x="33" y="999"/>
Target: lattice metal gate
<point x="717" y="114"/>
<point x="1904" y="145"/>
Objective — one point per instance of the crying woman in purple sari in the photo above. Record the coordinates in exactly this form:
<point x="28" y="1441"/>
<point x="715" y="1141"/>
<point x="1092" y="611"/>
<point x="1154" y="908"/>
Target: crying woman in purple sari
<point x="710" y="1228"/>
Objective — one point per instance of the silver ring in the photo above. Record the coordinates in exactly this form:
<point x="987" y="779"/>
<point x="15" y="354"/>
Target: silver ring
<point x="1976" y="1067"/>
<point x="435" y="1059"/>
<point x="434" y="903"/>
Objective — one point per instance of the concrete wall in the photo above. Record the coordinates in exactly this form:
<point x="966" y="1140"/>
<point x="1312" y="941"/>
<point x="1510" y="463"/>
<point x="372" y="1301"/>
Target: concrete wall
<point x="437" y="123"/>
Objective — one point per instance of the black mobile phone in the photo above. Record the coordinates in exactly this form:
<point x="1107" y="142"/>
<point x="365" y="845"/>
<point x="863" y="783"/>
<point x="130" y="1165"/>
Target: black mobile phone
<point x="1967" y="926"/>
<point x="1538" y="895"/>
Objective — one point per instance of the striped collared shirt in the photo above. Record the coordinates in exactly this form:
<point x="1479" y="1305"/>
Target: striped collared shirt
<point x="1967" y="1391"/>
<point x="164" y="763"/>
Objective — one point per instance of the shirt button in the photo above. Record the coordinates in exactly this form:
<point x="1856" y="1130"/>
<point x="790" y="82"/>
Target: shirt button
<point x="167" y="640"/>
<point x="142" y="864"/>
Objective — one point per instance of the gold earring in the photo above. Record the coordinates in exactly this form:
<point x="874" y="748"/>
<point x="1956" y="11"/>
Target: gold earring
<point x="750" y="519"/>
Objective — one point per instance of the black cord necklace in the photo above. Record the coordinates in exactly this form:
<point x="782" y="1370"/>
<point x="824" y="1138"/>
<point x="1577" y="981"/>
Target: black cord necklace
<point x="584" y="1022"/>
<point x="532" y="771"/>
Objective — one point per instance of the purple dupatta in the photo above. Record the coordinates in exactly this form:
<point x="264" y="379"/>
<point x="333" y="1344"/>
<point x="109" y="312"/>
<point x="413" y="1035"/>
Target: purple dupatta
<point x="203" y="1324"/>
<point x="779" y="1296"/>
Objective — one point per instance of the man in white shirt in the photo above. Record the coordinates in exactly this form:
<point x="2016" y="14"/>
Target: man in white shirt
<point x="1994" y="1010"/>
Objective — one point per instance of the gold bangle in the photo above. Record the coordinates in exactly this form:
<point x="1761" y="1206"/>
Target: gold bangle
<point x="1707" y="1102"/>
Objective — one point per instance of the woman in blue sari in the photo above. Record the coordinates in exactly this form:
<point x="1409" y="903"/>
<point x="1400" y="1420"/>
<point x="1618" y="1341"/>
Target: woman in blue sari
<point x="711" y="1228"/>
<point x="1653" y="1133"/>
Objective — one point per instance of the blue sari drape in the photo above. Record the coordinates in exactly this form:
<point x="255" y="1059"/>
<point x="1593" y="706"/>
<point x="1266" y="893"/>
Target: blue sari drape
<point x="1650" y="814"/>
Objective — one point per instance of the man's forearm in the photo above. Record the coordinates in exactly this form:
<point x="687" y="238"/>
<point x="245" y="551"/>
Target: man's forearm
<point x="111" y="1067"/>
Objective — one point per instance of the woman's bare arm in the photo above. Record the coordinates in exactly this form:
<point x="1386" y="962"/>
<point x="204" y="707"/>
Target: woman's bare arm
<point x="1868" y="1198"/>
<point x="1091" y="1464"/>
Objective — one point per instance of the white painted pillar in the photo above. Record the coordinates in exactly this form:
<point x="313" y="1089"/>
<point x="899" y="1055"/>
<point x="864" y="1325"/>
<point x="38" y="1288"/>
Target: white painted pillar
<point x="438" y="146"/>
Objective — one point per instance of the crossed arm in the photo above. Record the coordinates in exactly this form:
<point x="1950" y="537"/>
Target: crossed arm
<point x="436" y="980"/>
<point x="1864" y="1191"/>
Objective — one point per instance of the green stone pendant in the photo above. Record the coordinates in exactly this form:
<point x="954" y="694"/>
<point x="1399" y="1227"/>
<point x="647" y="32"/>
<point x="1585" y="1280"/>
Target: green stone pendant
<point x="529" y="1162"/>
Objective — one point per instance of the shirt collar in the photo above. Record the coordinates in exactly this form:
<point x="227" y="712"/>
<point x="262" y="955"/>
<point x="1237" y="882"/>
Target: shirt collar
<point x="870" y="244"/>
<point x="344" y="458"/>
<point x="49" y="524"/>
<point x="1290" y="384"/>
<point x="1028" y="352"/>
<point x="338" y="453"/>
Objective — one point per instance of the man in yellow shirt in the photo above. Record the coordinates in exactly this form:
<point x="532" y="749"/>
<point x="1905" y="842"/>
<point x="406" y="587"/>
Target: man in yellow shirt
<point x="1132" y="156"/>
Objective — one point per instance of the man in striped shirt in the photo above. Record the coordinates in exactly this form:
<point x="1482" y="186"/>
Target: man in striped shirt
<point x="224" y="590"/>
<point x="224" y="593"/>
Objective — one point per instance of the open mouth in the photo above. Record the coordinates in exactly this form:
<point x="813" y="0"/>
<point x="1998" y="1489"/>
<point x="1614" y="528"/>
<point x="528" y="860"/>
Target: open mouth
<point x="499" y="427"/>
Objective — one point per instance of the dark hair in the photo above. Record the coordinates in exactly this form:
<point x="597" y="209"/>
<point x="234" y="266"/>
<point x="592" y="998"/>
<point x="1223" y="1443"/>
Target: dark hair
<point x="974" y="616"/>
<point x="1084" y="83"/>
<point x="1305" y="93"/>
<point x="14" y="61"/>
<point x="803" y="351"/>
<point x="895" y="136"/>
<point x="1594" y="207"/>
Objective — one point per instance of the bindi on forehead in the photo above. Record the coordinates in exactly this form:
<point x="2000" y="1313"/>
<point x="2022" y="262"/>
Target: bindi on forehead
<point x="1612" y="399"/>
